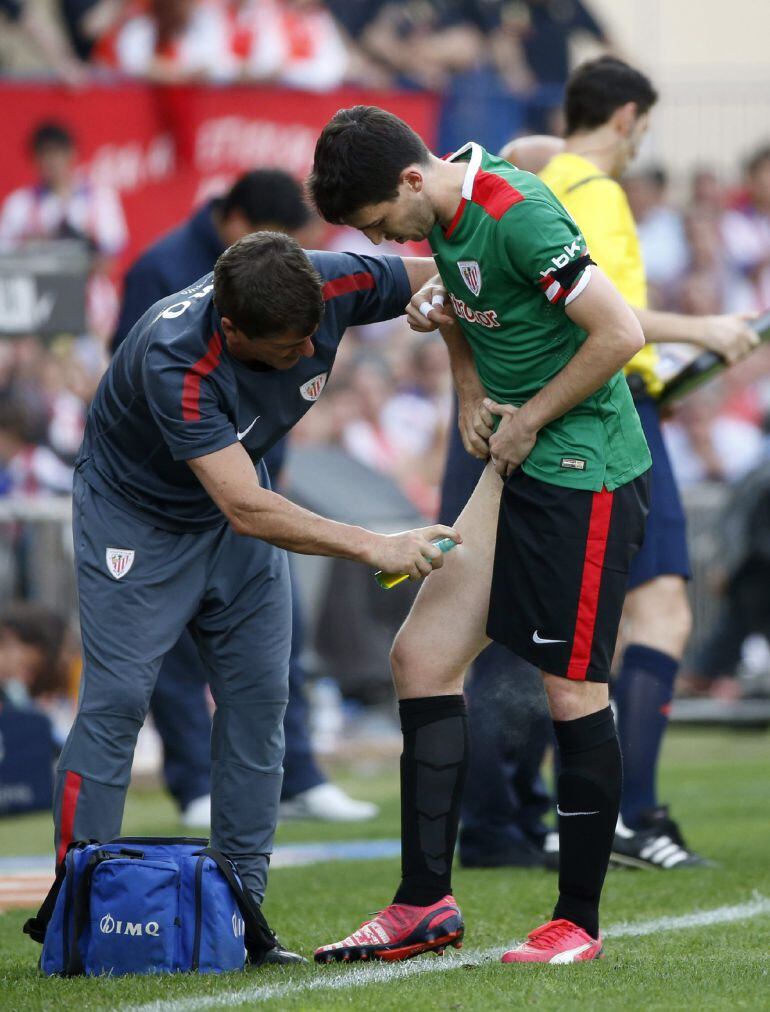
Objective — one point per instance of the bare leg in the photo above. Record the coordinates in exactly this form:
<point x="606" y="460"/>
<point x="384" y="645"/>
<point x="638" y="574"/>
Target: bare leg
<point x="442" y="635"/>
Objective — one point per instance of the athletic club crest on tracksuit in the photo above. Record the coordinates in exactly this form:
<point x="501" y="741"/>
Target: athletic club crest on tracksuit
<point x="311" y="390"/>
<point x="470" y="272"/>
<point x="119" y="561"/>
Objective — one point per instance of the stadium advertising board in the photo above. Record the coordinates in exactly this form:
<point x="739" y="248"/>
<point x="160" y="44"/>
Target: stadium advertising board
<point x="167" y="149"/>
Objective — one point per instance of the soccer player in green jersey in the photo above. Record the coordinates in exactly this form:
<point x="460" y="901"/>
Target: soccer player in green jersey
<point x="548" y="533"/>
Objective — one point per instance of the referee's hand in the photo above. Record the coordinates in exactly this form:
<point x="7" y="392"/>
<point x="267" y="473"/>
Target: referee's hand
<point x="730" y="336"/>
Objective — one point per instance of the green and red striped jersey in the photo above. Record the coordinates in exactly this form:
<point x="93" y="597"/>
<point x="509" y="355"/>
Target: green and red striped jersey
<point x="504" y="260"/>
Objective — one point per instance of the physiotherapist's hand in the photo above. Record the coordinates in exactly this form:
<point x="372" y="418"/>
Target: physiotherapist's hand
<point x="514" y="439"/>
<point x="730" y="336"/>
<point x="411" y="552"/>
<point x="425" y="311"/>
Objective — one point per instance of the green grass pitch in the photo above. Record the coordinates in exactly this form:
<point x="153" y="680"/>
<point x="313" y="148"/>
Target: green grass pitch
<point x="717" y="783"/>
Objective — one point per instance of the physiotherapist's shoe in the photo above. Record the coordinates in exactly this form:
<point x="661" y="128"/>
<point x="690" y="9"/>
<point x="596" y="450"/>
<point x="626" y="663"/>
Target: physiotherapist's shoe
<point x="280" y="956"/>
<point x="516" y="854"/>
<point x="327" y="803"/>
<point x="558" y="941"/>
<point x="400" y="931"/>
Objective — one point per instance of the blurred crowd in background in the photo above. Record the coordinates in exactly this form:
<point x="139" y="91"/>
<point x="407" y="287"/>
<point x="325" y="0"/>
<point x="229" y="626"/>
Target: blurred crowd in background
<point x="308" y="43"/>
<point x="705" y="239"/>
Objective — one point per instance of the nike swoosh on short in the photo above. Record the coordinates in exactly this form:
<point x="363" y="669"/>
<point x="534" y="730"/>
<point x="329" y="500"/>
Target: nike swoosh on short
<point x="248" y="430"/>
<point x="536" y="638"/>
<point x="560" y="812"/>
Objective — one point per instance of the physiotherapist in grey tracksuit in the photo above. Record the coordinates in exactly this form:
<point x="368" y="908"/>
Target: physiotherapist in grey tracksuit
<point x="175" y="526"/>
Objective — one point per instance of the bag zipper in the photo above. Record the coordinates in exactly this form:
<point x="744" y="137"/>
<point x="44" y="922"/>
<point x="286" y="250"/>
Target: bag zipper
<point x="196" y="953"/>
<point x="69" y="864"/>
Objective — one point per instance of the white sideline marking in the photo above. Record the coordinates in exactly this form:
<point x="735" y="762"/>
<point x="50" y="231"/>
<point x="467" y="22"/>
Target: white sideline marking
<point x="701" y="919"/>
<point x="361" y="975"/>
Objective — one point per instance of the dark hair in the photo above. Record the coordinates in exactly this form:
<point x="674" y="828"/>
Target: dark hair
<point x="266" y="285"/>
<point x="267" y="196"/>
<point x="50" y="134"/>
<point x="758" y="159"/>
<point x="359" y="158"/>
<point x="597" y="88"/>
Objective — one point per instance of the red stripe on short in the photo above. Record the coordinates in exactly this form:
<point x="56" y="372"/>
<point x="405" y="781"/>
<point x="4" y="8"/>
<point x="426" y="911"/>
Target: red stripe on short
<point x="360" y="282"/>
<point x="72" y="783"/>
<point x="494" y="193"/>
<point x="191" y="387"/>
<point x="588" y="605"/>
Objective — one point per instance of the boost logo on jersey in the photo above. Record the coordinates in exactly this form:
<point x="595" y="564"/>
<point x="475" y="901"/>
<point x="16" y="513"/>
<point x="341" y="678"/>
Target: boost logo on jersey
<point x="486" y="317"/>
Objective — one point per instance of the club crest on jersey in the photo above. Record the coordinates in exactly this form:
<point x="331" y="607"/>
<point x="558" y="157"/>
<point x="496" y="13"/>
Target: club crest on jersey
<point x="470" y="272"/>
<point x="119" y="561"/>
<point x="311" y="390"/>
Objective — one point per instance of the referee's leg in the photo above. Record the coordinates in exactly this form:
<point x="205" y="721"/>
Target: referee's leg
<point x="129" y="619"/>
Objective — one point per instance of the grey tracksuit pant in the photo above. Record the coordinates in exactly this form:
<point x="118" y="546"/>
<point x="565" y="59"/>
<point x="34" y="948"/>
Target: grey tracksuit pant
<point x="233" y="593"/>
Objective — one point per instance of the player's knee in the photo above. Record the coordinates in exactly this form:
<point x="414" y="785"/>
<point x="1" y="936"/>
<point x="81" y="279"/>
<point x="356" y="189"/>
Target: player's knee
<point x="570" y="700"/>
<point x="400" y="661"/>
<point x="415" y="670"/>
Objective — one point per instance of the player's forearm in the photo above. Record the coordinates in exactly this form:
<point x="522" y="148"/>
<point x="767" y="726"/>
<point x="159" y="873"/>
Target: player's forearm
<point x="461" y="362"/>
<point x="270" y="517"/>
<point x="602" y="355"/>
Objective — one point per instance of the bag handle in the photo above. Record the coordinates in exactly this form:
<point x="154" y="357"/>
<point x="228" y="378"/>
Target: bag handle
<point x="36" y="926"/>
<point x="258" y="936"/>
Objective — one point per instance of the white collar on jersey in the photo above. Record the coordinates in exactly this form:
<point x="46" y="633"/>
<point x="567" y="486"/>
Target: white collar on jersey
<point x="473" y="166"/>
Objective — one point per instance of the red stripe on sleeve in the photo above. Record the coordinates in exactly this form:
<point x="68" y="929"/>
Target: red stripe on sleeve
<point x="596" y="546"/>
<point x="494" y="194"/>
<point x="191" y="387"/>
<point x="360" y="282"/>
<point x="72" y="783"/>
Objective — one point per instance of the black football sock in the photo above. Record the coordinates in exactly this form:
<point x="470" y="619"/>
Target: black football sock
<point x="433" y="766"/>
<point x="588" y="802"/>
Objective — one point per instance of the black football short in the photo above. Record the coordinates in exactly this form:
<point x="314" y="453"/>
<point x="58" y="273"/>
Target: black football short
<point x="560" y="572"/>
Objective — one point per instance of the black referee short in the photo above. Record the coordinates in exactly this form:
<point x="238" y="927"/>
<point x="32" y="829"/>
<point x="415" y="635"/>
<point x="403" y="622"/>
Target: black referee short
<point x="560" y="572"/>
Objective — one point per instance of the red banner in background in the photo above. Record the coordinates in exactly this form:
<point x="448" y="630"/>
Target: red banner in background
<point x="167" y="149"/>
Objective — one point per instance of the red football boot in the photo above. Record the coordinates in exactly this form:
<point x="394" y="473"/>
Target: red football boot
<point x="400" y="932"/>
<point x="556" y="942"/>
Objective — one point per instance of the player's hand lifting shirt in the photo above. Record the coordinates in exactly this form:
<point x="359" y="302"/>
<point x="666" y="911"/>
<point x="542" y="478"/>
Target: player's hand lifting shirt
<point x="173" y="391"/>
<point x="511" y="261"/>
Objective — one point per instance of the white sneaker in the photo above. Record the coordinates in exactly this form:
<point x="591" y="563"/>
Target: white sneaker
<point x="328" y="803"/>
<point x="197" y="815"/>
